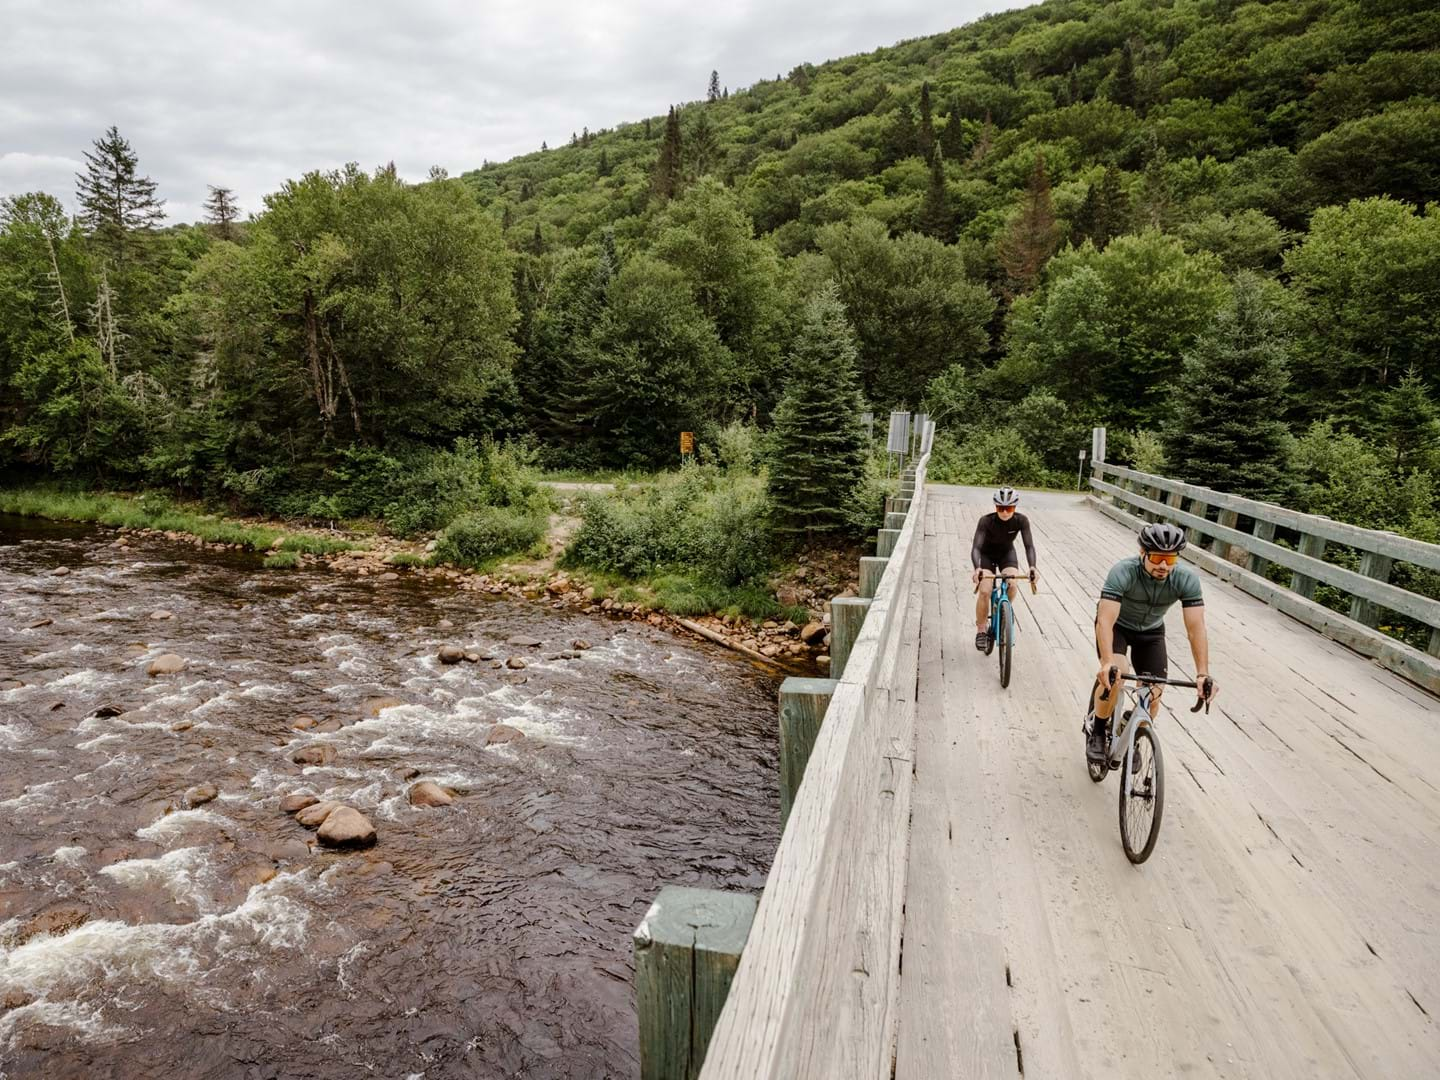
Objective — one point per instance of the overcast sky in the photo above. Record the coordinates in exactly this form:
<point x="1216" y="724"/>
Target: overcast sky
<point x="251" y="94"/>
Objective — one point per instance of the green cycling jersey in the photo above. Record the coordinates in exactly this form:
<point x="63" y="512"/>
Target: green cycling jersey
<point x="1143" y="600"/>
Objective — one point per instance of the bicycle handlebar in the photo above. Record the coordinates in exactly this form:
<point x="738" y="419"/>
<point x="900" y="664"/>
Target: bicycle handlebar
<point x="1012" y="577"/>
<point x="1154" y="680"/>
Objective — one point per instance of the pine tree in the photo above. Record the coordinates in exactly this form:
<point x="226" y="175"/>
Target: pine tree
<point x="712" y="93"/>
<point x="925" y="135"/>
<point x="666" y="179"/>
<point x="901" y="140"/>
<point x="1122" y="83"/>
<point x="1410" y="423"/>
<point x="1112" y="209"/>
<point x="1228" y="433"/>
<point x="952" y="135"/>
<point x="1157" y="200"/>
<point x="507" y="218"/>
<point x="817" y="442"/>
<point x="936" y="218"/>
<point x="1030" y="239"/>
<point x="220" y="210"/>
<point x="537" y="241"/>
<point x="114" y="201"/>
<point x="985" y="142"/>
<point x="704" y="147"/>
<point x="602" y="167"/>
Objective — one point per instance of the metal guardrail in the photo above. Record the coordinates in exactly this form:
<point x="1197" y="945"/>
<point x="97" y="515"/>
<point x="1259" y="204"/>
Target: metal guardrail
<point x="1135" y="496"/>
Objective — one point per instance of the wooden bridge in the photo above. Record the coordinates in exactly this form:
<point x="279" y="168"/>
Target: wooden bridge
<point x="950" y="898"/>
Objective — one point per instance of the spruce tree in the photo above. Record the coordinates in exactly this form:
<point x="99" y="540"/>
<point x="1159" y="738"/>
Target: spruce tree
<point x="952" y="135"/>
<point x="1112" y="209"/>
<point x="666" y="179"/>
<point x="925" y="134"/>
<point x="602" y="167"/>
<point x="712" y="93"/>
<point x="901" y="139"/>
<point x="116" y="202"/>
<point x="818" y="445"/>
<point x="1410" y="423"/>
<point x="1122" y="83"/>
<point x="1030" y="239"/>
<point x="936" y="218"/>
<point x="220" y="210"/>
<point x="1233" y="390"/>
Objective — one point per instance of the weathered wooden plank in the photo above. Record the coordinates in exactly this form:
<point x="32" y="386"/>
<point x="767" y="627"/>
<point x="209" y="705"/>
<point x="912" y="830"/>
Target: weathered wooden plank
<point x="1304" y="584"/>
<point x="1265" y="530"/>
<point x="1377" y="567"/>
<point x="1399" y="548"/>
<point x="894" y="521"/>
<point x="802" y="711"/>
<point x="1308" y="566"/>
<point x="687" y="949"/>
<point x="885" y="541"/>
<point x="847" y="619"/>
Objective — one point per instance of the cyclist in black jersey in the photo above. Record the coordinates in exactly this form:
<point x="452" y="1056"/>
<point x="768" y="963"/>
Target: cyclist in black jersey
<point x="1131" y="618"/>
<point x="993" y="549"/>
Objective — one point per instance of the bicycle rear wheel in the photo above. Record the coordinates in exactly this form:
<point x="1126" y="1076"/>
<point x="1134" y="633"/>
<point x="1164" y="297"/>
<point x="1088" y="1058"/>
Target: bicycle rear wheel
<point x="1142" y="796"/>
<point x="1005" y="642"/>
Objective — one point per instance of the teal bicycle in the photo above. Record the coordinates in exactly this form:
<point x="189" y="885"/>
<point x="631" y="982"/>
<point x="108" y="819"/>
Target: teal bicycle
<point x="1002" y="618"/>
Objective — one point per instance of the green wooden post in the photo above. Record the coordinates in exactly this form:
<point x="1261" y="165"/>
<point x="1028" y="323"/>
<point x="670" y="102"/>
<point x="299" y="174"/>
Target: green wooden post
<point x="686" y="951"/>
<point x="872" y="568"/>
<point x="885" y="541"/>
<point x="1374" y="566"/>
<point x="1314" y="546"/>
<point x="1222" y="547"/>
<point x="1264" y="530"/>
<point x="847" y="616"/>
<point x="894" y="521"/>
<point x="802" y="711"/>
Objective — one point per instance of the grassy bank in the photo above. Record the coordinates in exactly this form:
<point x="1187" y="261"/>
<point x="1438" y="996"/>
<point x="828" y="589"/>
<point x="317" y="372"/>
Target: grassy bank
<point x="152" y="511"/>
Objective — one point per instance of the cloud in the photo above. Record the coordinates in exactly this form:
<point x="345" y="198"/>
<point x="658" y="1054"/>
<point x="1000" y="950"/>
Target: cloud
<point x="248" y="96"/>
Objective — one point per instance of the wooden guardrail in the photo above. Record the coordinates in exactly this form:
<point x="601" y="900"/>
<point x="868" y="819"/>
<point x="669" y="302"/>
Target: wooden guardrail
<point x="1132" y="496"/>
<point x="817" y="989"/>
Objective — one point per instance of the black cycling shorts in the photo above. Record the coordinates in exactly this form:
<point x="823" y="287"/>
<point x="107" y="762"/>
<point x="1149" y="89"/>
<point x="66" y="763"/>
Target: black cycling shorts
<point x="1006" y="560"/>
<point x="1146" y="649"/>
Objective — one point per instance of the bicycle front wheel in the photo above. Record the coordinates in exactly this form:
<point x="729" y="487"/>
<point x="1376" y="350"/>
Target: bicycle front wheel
<point x="1142" y="796"/>
<point x="1005" y="642"/>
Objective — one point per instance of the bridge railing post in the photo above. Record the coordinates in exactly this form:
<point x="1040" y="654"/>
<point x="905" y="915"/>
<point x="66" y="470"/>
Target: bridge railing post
<point x="872" y="569"/>
<point x="895" y="521"/>
<point x="885" y="541"/>
<point x="1377" y="566"/>
<point x="1227" y="518"/>
<point x="802" y="712"/>
<point x="1314" y="546"/>
<point x="1264" y="530"/>
<point x="847" y="616"/>
<point x="686" y="951"/>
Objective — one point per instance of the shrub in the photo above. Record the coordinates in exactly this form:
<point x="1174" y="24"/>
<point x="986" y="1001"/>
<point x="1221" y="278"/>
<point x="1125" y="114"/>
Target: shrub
<point x="475" y="537"/>
<point x="282" y="560"/>
<point x="996" y="456"/>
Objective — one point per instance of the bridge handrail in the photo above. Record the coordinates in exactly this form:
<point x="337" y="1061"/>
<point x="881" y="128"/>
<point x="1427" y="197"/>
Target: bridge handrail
<point x="817" y="988"/>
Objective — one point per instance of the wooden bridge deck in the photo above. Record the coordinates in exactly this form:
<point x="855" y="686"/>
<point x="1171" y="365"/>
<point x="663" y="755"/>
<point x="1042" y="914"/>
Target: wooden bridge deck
<point x="1288" y="924"/>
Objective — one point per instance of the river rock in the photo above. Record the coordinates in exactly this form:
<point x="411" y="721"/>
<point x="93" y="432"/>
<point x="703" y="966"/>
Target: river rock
<point x="516" y="663"/>
<point x="520" y="639"/>
<point x="314" y="815"/>
<point x="56" y="921"/>
<point x="445" y="624"/>
<point x="429" y="793"/>
<point x="472" y="657"/>
<point x="315" y="754"/>
<point x="38" y="623"/>
<point x="14" y="999"/>
<point x="812" y="632"/>
<point x="346" y="827"/>
<point x="182" y="725"/>
<point x="389" y="575"/>
<point x="304" y="723"/>
<point x="166" y="664"/>
<point x="451" y="654"/>
<point x="504" y="733"/>
<point x="200" y="794"/>
<point x="108" y="710"/>
<point x="60" y="571"/>
<point x="161" y="615"/>
<point x="248" y="877"/>
<point x="327" y="726"/>
<point x="822" y="662"/>
<point x="293" y="804"/>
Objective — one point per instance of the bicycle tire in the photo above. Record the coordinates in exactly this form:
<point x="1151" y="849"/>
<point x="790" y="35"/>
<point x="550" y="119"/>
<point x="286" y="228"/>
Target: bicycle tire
<point x="1139" y="826"/>
<point x="1005" y="643"/>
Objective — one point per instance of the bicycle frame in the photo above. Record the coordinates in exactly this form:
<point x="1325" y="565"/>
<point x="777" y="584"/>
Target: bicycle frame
<point x="999" y="594"/>
<point x="1140" y="715"/>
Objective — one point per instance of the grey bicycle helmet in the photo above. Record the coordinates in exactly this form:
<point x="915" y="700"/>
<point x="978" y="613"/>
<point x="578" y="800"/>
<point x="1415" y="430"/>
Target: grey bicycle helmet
<point x="1007" y="496"/>
<point x="1162" y="536"/>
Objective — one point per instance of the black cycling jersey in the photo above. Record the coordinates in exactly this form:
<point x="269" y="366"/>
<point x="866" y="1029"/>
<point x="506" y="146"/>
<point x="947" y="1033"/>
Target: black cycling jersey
<point x="995" y="540"/>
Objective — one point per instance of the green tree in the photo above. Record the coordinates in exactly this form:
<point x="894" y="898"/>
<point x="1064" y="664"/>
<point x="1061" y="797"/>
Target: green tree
<point x="936" y="217"/>
<point x="1229" y="432"/>
<point x="712" y="92"/>
<point x="115" y="201"/>
<point x="1122" y="81"/>
<point x="925" y="132"/>
<point x="1410" y="424"/>
<point x="1030" y="238"/>
<point x="221" y="212"/>
<point x="666" y="178"/>
<point x="817" y="445"/>
<point x="1394" y="153"/>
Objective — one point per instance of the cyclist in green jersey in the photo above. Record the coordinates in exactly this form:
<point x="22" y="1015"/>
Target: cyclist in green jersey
<point x="1131" y="618"/>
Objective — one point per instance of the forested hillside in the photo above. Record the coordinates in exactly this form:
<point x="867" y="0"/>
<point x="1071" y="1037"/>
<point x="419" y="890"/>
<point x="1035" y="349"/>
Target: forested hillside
<point x="1209" y="226"/>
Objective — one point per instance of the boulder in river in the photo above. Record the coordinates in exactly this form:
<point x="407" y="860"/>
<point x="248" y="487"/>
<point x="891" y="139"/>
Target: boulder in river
<point x="161" y="615"/>
<point x="314" y="816"/>
<point x="165" y="664"/>
<point x="328" y="726"/>
<point x="451" y="654"/>
<point x="503" y="733"/>
<point x="516" y="663"/>
<point x="304" y="723"/>
<point x="445" y="624"/>
<point x="56" y="921"/>
<point x="200" y="794"/>
<point x="182" y="725"/>
<point x="346" y="827"/>
<point x="429" y="793"/>
<point x="314" y="754"/>
<point x="580" y="643"/>
<point x="521" y="639"/>
<point x="107" y="710"/>
<point x="293" y="804"/>
<point x="60" y="571"/>
<point x="812" y="632"/>
<point x="38" y="623"/>
<point x="374" y="706"/>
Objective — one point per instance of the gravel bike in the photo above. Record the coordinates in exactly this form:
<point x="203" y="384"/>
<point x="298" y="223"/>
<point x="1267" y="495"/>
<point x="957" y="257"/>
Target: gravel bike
<point x="1002" y="617"/>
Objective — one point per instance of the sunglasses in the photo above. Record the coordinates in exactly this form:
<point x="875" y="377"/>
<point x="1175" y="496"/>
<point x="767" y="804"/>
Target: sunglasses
<point x="1005" y="509"/>
<point x="1163" y="558"/>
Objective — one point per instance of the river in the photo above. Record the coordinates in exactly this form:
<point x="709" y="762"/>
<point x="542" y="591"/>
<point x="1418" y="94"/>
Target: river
<point x="489" y="938"/>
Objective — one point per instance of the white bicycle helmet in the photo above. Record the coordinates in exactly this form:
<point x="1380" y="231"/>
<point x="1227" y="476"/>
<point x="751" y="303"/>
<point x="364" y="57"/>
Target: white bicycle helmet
<point x="1007" y="496"/>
